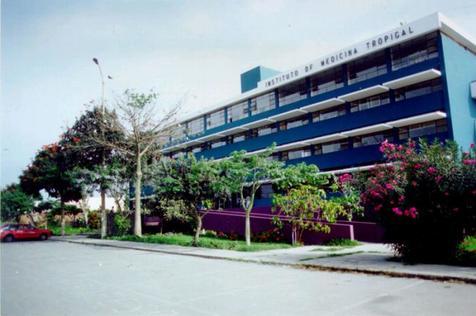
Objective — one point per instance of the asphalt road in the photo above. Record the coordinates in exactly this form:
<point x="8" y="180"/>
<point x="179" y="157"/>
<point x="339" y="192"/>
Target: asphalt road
<point x="57" y="278"/>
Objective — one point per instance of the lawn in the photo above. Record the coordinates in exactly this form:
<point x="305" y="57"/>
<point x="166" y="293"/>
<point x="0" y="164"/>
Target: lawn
<point x="205" y="242"/>
<point x="467" y="251"/>
<point x="69" y="230"/>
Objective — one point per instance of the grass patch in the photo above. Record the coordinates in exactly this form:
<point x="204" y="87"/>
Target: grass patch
<point x="205" y="242"/>
<point x="467" y="252"/>
<point x="68" y="230"/>
<point x="343" y="242"/>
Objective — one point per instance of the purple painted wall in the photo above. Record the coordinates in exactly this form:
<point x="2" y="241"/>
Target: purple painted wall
<point x="233" y="221"/>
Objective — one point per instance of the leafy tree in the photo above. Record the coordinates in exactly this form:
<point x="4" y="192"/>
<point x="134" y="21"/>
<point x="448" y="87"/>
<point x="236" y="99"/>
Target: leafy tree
<point x="51" y="170"/>
<point x="15" y="202"/>
<point x="304" y="201"/>
<point x="144" y="133"/>
<point x="97" y="163"/>
<point x="424" y="197"/>
<point x="244" y="174"/>
<point x="294" y="176"/>
<point x="190" y="183"/>
<point x="306" y="208"/>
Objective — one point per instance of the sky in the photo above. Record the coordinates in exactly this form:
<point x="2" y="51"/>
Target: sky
<point x="190" y="52"/>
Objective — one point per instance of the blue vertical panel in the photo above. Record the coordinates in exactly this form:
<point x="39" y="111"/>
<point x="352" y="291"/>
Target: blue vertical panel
<point x="459" y="66"/>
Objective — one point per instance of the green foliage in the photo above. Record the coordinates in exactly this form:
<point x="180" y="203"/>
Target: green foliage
<point x="68" y="209"/>
<point x="466" y="254"/>
<point x="244" y="174"/>
<point x="69" y="230"/>
<point x="425" y="200"/>
<point x="306" y="208"/>
<point x="52" y="171"/>
<point x="205" y="242"/>
<point x="15" y="202"/>
<point x="343" y="242"/>
<point x="122" y="223"/>
<point x="186" y="186"/>
<point x="47" y="205"/>
<point x="94" y="220"/>
<point x="294" y="176"/>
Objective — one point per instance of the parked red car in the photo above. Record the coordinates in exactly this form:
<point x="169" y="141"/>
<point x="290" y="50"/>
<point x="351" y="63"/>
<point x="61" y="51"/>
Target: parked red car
<point x="10" y="232"/>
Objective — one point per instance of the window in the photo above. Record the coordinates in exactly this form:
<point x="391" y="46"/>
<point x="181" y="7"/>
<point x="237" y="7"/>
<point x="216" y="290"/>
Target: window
<point x="215" y="119"/>
<point x="327" y="81"/>
<point x="331" y="147"/>
<point x="301" y="121"/>
<point x="292" y="92"/>
<point x="418" y="89"/>
<point x="266" y="191"/>
<point x="263" y="103"/>
<point x="196" y="126"/>
<point x="415" y="51"/>
<point x="370" y="102"/>
<point x="238" y="138"/>
<point x="237" y="111"/>
<point x="372" y="139"/>
<point x="422" y="129"/>
<point x="218" y="143"/>
<point x="196" y="150"/>
<point x="265" y="130"/>
<point x="178" y="133"/>
<point x="328" y="114"/>
<point x="367" y="67"/>
<point x="177" y="154"/>
<point x="299" y="153"/>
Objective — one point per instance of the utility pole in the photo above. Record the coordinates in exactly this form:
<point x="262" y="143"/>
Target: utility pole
<point x="102" y="188"/>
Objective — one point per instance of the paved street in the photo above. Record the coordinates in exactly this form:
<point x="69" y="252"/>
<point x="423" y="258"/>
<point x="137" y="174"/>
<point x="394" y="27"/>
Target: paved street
<point x="57" y="278"/>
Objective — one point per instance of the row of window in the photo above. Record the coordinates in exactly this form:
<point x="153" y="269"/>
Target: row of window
<point x="318" y="116"/>
<point x="402" y="55"/>
<point x="410" y="131"/>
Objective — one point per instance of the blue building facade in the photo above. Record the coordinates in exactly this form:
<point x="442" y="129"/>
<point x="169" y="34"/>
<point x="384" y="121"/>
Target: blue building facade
<point x="406" y="83"/>
<point x="409" y="82"/>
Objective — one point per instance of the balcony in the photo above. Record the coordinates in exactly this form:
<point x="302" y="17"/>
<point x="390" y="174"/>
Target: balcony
<point x="353" y="157"/>
<point x="370" y="120"/>
<point x="325" y="100"/>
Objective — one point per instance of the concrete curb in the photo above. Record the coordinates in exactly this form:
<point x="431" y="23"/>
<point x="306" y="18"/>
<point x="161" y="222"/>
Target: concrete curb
<point x="316" y="267"/>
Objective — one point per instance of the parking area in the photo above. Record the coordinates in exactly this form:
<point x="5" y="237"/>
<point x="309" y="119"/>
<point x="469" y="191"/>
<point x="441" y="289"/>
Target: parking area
<point x="57" y="278"/>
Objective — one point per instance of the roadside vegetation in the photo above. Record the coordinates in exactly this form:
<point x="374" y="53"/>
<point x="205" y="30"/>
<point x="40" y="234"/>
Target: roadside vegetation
<point x="424" y="195"/>
<point x="206" y="241"/>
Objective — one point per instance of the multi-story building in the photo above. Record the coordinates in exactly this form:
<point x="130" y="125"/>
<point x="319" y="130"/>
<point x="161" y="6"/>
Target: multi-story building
<point x="412" y="81"/>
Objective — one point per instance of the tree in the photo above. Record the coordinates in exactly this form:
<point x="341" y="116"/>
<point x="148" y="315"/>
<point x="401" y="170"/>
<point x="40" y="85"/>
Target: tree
<point x="51" y="170"/>
<point x="306" y="208"/>
<point x="144" y="133"/>
<point x="244" y="174"/>
<point x="191" y="183"/>
<point x="294" y="176"/>
<point x="424" y="197"/>
<point x="97" y="163"/>
<point x="304" y="200"/>
<point x="15" y="202"/>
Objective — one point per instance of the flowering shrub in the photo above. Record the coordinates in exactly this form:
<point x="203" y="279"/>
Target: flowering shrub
<point x="425" y="197"/>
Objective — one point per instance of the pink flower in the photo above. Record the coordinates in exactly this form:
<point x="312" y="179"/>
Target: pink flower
<point x="431" y="170"/>
<point x="389" y="186"/>
<point x="469" y="162"/>
<point x="417" y="166"/>
<point x="397" y="211"/>
<point x="471" y="146"/>
<point x="378" y="207"/>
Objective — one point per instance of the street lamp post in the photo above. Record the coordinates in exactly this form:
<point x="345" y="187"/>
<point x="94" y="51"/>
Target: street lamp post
<point x="103" y="190"/>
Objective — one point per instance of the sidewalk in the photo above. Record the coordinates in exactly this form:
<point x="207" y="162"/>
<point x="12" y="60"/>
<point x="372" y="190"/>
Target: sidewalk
<point x="367" y="258"/>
